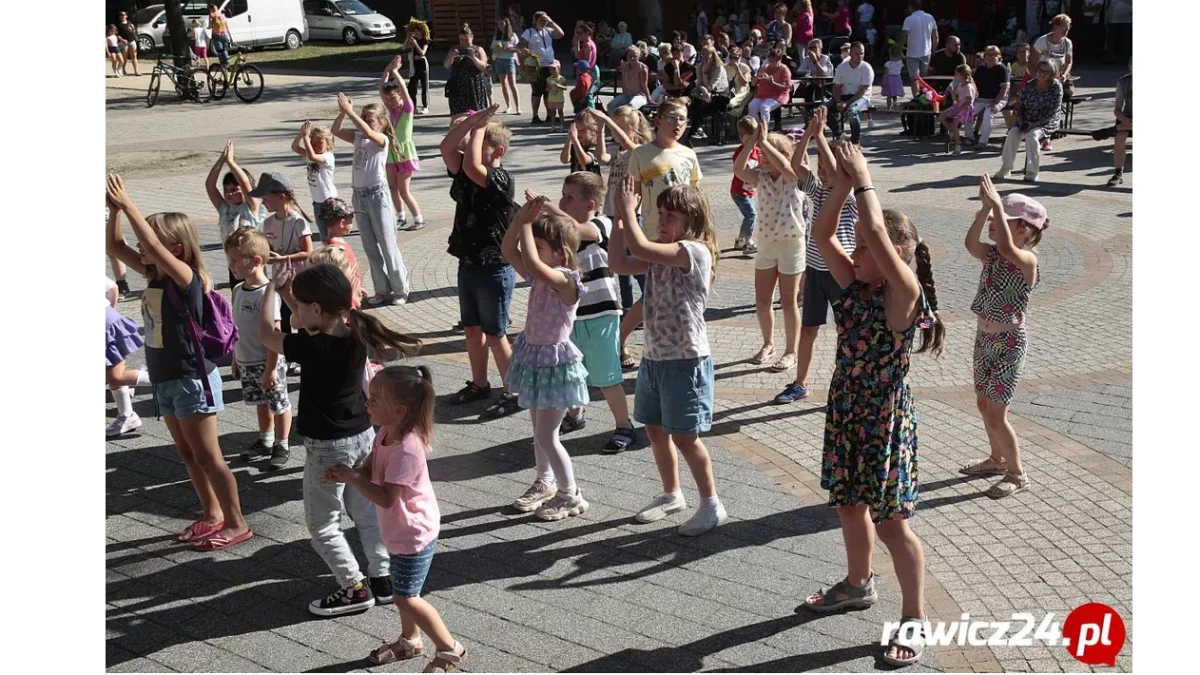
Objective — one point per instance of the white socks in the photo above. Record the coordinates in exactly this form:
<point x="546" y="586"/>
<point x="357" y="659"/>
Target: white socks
<point x="710" y="502"/>
<point x="123" y="397"/>
<point x="143" y="379"/>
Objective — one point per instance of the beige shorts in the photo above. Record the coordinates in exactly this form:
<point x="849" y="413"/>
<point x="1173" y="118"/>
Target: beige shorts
<point x="786" y="254"/>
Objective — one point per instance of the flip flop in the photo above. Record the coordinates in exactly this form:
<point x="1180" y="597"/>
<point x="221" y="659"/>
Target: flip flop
<point x="627" y="362"/>
<point x="217" y="541"/>
<point x="198" y="530"/>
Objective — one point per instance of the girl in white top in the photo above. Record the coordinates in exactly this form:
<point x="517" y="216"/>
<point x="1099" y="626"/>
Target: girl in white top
<point x="235" y="207"/>
<point x="315" y="145"/>
<point x="781" y="258"/>
<point x="113" y="47"/>
<point x="286" y="229"/>
<point x="200" y="41"/>
<point x="372" y="201"/>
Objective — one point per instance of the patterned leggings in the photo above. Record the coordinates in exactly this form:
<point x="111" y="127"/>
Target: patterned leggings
<point x="998" y="360"/>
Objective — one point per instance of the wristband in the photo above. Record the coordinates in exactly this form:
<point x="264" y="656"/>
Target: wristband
<point x="859" y="191"/>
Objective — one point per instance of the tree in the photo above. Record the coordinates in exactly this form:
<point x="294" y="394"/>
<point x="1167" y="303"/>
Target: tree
<point x="179" y="43"/>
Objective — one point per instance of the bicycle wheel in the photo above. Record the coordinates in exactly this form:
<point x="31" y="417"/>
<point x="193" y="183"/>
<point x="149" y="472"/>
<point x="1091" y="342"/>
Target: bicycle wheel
<point x="152" y="91"/>
<point x="248" y="83"/>
<point x="220" y="81"/>
<point x="203" y="89"/>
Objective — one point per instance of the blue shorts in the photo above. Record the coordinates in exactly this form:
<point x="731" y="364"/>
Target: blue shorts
<point x="184" y="397"/>
<point x="409" y="571"/>
<point x="505" y="66"/>
<point x="484" y="296"/>
<point x="676" y="395"/>
<point x="599" y="338"/>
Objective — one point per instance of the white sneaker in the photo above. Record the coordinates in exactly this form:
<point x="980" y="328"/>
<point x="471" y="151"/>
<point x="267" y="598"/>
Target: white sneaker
<point x="958" y="149"/>
<point x="699" y="133"/>
<point x="123" y="425"/>
<point x="703" y="520"/>
<point x="539" y="492"/>
<point x="870" y="124"/>
<point x="661" y="507"/>
<point x="739" y="243"/>
<point x="563" y="505"/>
<point x="423" y="111"/>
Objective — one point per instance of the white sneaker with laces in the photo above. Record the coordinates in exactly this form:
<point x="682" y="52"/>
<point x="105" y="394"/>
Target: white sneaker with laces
<point x="703" y="520"/>
<point x="535" y="496"/>
<point x="661" y="507"/>
<point x="123" y="425"/>
<point x="563" y="505"/>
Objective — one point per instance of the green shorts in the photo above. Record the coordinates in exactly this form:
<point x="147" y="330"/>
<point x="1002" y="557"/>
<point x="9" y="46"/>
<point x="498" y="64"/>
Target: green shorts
<point x="600" y="341"/>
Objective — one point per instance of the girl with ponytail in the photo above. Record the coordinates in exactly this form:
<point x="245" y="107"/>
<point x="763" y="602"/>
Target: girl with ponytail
<point x="870" y="458"/>
<point x="335" y="428"/>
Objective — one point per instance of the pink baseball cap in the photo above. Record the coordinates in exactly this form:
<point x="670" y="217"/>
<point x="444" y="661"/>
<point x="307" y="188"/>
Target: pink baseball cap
<point x="556" y="64"/>
<point x="1024" y="208"/>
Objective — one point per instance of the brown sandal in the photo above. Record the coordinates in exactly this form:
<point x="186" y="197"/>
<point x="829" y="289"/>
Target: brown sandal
<point x="447" y="662"/>
<point x="400" y="650"/>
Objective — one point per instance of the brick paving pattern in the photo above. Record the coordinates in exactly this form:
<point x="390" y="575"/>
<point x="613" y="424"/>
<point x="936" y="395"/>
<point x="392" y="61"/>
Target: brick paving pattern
<point x="601" y="593"/>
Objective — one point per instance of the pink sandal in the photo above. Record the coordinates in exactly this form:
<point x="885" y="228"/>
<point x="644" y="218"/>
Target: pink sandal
<point x="199" y="530"/>
<point x="217" y="542"/>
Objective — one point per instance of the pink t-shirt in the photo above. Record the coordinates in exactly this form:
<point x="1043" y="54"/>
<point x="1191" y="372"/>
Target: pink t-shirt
<point x="413" y="521"/>
<point x="587" y="53"/>
<point x="841" y="22"/>
<point x="768" y="89"/>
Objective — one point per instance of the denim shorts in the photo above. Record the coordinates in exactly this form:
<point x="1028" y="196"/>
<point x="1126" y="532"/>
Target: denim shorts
<point x="505" y="66"/>
<point x="409" y="571"/>
<point x="484" y="297"/>
<point x="676" y="395"/>
<point x="184" y="397"/>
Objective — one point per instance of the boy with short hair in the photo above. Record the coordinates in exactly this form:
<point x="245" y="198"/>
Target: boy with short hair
<point x="484" y="192"/>
<point x="263" y="372"/>
<point x="598" y="318"/>
<point x="743" y="195"/>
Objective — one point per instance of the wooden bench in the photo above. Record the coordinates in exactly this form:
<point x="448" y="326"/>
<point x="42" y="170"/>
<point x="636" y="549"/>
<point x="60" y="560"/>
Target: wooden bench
<point x="1068" y="109"/>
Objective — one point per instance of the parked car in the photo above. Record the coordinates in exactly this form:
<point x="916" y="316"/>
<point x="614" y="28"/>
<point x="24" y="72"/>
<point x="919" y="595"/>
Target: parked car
<point x="347" y="20"/>
<point x="253" y="23"/>
<point x="152" y="23"/>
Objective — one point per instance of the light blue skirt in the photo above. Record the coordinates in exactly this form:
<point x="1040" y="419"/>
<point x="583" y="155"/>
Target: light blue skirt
<point x="562" y="386"/>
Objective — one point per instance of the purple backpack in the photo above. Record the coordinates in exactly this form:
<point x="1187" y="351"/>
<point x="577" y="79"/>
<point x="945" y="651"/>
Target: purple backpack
<point x="214" y="337"/>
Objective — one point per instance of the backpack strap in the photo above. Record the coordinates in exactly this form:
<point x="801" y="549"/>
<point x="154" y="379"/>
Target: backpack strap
<point x="197" y="345"/>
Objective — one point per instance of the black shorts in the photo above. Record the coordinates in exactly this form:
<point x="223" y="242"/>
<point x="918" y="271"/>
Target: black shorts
<point x="539" y="85"/>
<point x="820" y="290"/>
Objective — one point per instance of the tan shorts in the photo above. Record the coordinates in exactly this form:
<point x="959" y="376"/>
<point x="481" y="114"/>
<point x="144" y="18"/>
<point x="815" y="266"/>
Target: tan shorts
<point x="786" y="254"/>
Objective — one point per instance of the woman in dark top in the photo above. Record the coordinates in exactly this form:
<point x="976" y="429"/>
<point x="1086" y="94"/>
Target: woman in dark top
<point x="1037" y="116"/>
<point x="468" y="86"/>
<point x="128" y="32"/>
<point x="418" y="43"/>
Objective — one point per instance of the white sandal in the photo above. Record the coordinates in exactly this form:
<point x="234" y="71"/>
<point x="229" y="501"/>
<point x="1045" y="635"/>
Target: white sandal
<point x="912" y="640"/>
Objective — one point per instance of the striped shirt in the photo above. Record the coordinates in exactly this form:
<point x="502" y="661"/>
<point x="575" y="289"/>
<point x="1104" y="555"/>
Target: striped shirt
<point x="601" y="296"/>
<point x="846" y="221"/>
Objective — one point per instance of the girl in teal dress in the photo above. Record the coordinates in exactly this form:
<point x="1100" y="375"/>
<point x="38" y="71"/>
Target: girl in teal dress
<point x="870" y="460"/>
<point x="402" y="160"/>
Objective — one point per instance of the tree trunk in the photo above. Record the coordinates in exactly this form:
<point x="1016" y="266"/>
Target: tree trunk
<point x="179" y="41"/>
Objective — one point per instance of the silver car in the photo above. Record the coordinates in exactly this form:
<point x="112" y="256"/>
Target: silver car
<point x="347" y="20"/>
<point x="152" y="22"/>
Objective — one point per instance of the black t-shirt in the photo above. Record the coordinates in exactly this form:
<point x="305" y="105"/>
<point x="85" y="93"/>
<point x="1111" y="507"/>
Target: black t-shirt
<point x="332" y="403"/>
<point x="651" y="60"/>
<point x="127" y="31"/>
<point x="594" y="167"/>
<point x="988" y="81"/>
<point x="481" y="217"/>
<point x="170" y="346"/>
<point x="944" y="63"/>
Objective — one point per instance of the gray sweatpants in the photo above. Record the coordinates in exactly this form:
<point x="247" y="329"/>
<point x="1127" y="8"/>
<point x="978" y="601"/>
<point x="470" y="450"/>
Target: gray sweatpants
<point x="377" y="224"/>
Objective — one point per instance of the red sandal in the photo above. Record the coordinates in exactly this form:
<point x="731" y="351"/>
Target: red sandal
<point x="219" y="541"/>
<point x="201" y="529"/>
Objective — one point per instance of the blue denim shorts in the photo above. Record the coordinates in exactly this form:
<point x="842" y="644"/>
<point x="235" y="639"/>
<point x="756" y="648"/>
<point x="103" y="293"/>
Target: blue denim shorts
<point x="409" y="571"/>
<point x="184" y="397"/>
<point x="676" y="395"/>
<point x="484" y="296"/>
<point x="505" y="66"/>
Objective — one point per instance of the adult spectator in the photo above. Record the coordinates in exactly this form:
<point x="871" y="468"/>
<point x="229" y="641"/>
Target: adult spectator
<point x="1119" y="24"/>
<point x="804" y="26"/>
<point x="650" y="56"/>
<point x="621" y="42"/>
<point x="701" y="22"/>
<point x="722" y="45"/>
<point x="842" y="20"/>
<point x="779" y="28"/>
<point x="540" y="40"/>
<point x="221" y="37"/>
<point x="1036" y="117"/>
<point x="968" y="22"/>
<point x="515" y="19"/>
<point x="677" y="73"/>
<point x="635" y="81"/>
<point x="686" y="49"/>
<point x="919" y="35"/>
<point x="711" y="94"/>
<point x="468" y="86"/>
<point x="946" y="61"/>
<point x="755" y="49"/>
<point x="740" y="78"/>
<point x="815" y="64"/>
<point x="852" y="81"/>
<point x="992" y="85"/>
<point x="1056" y="46"/>
<point x="128" y="32"/>
<point x="773" y="86"/>
<point x="1123" y="109"/>
<point x="866" y="16"/>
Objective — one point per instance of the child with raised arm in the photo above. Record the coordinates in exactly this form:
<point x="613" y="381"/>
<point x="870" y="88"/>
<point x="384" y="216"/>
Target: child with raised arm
<point x="547" y="370"/>
<point x="782" y="230"/>
<point x="597" y="321"/>
<point x="872" y="476"/>
<point x="402" y="161"/>
<point x="170" y="259"/>
<point x="1010" y="272"/>
<point x="483" y="190"/>
<point x="315" y="145"/>
<point x="584" y="145"/>
<point x="235" y="207"/>
<point x="371" y="140"/>
<point x="286" y="230"/>
<point x="334" y="426"/>
<point x="743" y="195"/>
<point x="264" y="373"/>
<point x="674" y="397"/>
<point x="395" y="477"/>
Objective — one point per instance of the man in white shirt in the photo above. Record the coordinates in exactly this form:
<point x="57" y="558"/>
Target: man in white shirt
<point x="919" y="35"/>
<point x="540" y="40"/>
<point x="852" y="81"/>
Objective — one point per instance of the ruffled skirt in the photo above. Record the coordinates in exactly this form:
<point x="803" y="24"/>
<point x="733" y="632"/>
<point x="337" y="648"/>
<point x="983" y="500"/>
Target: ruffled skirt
<point x="547" y="376"/>
<point x="122" y="337"/>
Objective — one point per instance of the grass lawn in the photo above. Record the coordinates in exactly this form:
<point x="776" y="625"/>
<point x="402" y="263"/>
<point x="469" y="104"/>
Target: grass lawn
<point x="329" y="56"/>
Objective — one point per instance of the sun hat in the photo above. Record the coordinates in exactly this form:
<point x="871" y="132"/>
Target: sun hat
<point x="1024" y="208"/>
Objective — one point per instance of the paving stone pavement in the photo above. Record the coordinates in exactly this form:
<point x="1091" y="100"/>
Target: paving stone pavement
<point x="600" y="593"/>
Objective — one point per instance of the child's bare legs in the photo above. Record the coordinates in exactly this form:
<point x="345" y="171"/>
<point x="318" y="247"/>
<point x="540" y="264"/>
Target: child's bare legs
<point x="119" y="376"/>
<point x="283" y="425"/>
<point x="200" y="432"/>
<point x="700" y="464"/>
<point x="404" y="190"/>
<point x="804" y="354"/>
<point x="664" y="458"/>
<point x="615" y="396"/>
<point x="1001" y="436"/>
<point x="509" y="80"/>
<point x="266" y="421"/>
<point x="858" y="535"/>
<point x="764" y="298"/>
<point x="504" y="90"/>
<point x="908" y="559"/>
<point x="116" y="66"/>
<point x="417" y="615"/>
<point x="633" y="318"/>
<point x="789" y="290"/>
<point x="209" y="504"/>
<point x="502" y="354"/>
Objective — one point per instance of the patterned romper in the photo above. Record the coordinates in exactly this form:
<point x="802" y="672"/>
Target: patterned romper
<point x="870" y="422"/>
<point x="1002" y="297"/>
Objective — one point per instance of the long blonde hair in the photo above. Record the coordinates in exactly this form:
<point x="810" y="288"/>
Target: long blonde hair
<point x="691" y="202"/>
<point x="377" y="110"/>
<point x="635" y="119"/>
<point x="173" y="227"/>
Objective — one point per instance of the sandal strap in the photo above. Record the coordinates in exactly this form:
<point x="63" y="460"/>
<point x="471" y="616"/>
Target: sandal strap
<point x="915" y="642"/>
<point x="843" y="587"/>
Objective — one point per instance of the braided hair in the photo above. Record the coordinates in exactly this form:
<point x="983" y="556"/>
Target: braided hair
<point x="903" y="233"/>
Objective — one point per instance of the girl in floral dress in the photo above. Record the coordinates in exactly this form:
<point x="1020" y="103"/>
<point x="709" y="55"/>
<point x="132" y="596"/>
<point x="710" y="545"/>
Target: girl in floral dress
<point x="870" y="459"/>
<point x="959" y="115"/>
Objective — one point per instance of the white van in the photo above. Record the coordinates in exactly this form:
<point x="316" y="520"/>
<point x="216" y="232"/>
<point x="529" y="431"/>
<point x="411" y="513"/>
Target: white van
<point x="254" y="23"/>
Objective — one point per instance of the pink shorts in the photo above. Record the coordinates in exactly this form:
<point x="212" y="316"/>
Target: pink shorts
<point x="200" y="52"/>
<point x="411" y="166"/>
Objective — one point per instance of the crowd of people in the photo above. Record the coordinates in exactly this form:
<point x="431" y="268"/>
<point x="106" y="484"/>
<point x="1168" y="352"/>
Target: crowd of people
<point x="820" y="235"/>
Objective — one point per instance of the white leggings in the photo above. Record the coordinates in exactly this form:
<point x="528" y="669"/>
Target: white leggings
<point x="553" y="462"/>
<point x="762" y="108"/>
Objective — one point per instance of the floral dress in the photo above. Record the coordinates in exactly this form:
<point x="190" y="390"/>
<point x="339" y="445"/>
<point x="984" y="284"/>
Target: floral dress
<point x="870" y="423"/>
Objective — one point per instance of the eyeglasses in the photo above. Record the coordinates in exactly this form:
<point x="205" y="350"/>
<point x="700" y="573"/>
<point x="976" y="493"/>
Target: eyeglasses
<point x="674" y="119"/>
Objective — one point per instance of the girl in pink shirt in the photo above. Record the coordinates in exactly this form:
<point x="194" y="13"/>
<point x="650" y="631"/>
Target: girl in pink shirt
<point x="396" y="478"/>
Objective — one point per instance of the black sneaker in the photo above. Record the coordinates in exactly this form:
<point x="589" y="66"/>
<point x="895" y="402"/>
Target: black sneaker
<point x="458" y="328"/>
<point x="471" y="393"/>
<point x="381" y="588"/>
<point x="572" y="423"/>
<point x="507" y="405"/>
<point x="279" y="456"/>
<point x="123" y="287"/>
<point x="1117" y="179"/>
<point x="622" y="438"/>
<point x="537" y="120"/>
<point x="344" y="601"/>
<point x="256" y="450"/>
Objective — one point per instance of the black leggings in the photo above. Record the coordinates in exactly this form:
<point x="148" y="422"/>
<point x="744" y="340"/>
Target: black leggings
<point x="420" y="74"/>
<point x="285" y="318"/>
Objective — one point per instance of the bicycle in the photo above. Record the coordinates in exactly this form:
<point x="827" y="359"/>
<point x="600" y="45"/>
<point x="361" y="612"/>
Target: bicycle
<point x="191" y="82"/>
<point x="246" y="79"/>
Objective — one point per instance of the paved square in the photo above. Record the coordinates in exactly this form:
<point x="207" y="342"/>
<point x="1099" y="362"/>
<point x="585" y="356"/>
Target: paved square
<point x="601" y="593"/>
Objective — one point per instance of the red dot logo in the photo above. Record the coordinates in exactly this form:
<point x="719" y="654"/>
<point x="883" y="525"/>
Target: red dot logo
<point x="1094" y="633"/>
